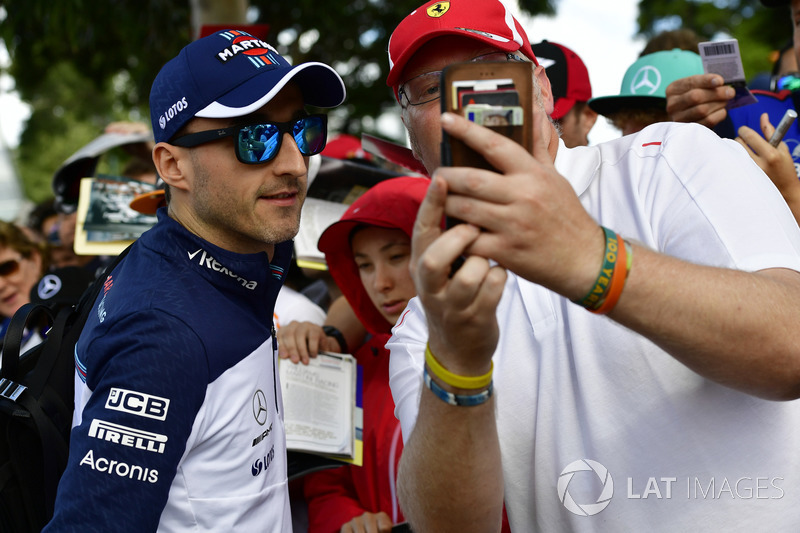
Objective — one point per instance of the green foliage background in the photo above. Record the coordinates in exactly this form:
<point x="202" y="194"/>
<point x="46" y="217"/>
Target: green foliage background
<point x="81" y="64"/>
<point x="760" y="30"/>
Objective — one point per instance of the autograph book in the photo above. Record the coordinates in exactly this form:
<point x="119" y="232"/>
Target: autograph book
<point x="323" y="412"/>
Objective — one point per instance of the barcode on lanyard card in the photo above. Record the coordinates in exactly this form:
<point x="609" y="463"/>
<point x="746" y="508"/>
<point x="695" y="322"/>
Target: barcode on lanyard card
<point x="722" y="57"/>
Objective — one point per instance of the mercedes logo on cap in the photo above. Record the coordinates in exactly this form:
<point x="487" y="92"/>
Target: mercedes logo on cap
<point x="646" y="81"/>
<point x="260" y="407"/>
<point x="49" y="286"/>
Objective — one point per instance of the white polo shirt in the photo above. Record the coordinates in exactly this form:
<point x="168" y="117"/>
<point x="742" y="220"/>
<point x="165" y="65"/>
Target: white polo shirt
<point x="601" y="430"/>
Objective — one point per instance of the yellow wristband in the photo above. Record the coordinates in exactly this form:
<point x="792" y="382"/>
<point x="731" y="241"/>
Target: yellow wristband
<point x="454" y="380"/>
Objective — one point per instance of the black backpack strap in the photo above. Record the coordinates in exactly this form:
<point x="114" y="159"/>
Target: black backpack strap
<point x="72" y="320"/>
<point x="46" y="384"/>
<point x="50" y="351"/>
<point x="27" y="314"/>
<point x="53" y="443"/>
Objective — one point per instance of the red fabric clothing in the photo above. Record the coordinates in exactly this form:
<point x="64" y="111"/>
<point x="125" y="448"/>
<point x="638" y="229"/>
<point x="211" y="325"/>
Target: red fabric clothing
<point x="336" y="496"/>
<point x="389" y="204"/>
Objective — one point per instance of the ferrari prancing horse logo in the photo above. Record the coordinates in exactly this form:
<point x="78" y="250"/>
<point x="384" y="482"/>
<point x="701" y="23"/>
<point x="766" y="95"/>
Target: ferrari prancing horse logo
<point x="438" y="9"/>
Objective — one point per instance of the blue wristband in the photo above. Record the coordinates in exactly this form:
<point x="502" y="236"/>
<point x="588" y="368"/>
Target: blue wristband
<point x="459" y="400"/>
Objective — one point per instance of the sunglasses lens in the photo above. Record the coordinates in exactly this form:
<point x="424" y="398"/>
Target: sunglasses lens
<point x="790" y="82"/>
<point x="8" y="268"/>
<point x="309" y="134"/>
<point x="258" y="143"/>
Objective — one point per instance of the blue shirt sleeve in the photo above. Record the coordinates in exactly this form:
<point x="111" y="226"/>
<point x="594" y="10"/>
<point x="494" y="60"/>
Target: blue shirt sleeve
<point x="148" y="376"/>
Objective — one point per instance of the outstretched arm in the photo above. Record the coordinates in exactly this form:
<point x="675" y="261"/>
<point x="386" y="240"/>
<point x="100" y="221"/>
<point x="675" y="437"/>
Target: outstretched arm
<point x="734" y="327"/>
<point x="450" y="476"/>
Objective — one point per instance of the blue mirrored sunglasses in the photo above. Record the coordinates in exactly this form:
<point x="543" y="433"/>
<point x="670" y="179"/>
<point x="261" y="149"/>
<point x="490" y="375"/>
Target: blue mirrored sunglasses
<point x="785" y="82"/>
<point x="261" y="142"/>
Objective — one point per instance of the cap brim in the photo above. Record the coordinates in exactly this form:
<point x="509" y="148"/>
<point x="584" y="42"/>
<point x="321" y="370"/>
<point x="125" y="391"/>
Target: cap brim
<point x="397" y="69"/>
<point x="338" y="233"/>
<point x="334" y="235"/>
<point x="320" y="84"/>
<point x="66" y="180"/>
<point x="149" y="202"/>
<point x="608" y="105"/>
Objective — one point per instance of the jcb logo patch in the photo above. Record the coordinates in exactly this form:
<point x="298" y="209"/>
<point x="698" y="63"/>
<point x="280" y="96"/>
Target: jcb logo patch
<point x="137" y="403"/>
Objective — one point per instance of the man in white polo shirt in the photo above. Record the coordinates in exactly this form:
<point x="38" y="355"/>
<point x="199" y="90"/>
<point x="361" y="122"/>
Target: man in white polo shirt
<point x="619" y="351"/>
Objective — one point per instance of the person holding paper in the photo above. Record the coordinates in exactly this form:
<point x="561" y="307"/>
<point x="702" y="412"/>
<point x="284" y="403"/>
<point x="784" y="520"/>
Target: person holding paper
<point x="621" y="333"/>
<point x="367" y="253"/>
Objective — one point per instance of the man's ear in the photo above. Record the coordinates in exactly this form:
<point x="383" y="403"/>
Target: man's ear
<point x="169" y="164"/>
<point x="547" y="90"/>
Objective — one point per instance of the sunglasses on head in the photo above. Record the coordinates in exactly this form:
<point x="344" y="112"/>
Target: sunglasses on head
<point x="7" y="268"/>
<point x="261" y="142"/>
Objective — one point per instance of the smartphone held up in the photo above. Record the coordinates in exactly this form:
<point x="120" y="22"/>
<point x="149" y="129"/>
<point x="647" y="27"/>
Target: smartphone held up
<point x="496" y="95"/>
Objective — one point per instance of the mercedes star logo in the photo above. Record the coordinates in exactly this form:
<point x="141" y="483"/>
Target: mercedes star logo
<point x="49" y="286"/>
<point x="646" y="81"/>
<point x="260" y="407"/>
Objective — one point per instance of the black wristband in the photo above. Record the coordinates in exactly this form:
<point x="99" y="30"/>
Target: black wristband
<point x="331" y="331"/>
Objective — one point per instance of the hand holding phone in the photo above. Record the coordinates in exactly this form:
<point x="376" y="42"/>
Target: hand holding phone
<point x="496" y="95"/>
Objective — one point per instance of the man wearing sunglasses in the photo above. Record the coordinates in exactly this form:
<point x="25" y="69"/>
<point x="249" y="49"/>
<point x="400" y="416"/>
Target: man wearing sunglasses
<point x="178" y="420"/>
<point x="617" y="337"/>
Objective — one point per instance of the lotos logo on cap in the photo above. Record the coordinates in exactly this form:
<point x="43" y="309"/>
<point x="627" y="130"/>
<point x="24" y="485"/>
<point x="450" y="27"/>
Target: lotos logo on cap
<point x="172" y="111"/>
<point x="259" y="52"/>
<point x="438" y="9"/>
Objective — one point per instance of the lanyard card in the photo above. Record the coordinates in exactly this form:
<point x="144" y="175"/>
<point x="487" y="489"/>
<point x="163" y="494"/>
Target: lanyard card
<point x="723" y="58"/>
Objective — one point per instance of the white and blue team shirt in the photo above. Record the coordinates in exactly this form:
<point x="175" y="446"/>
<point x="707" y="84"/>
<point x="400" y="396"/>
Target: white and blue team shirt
<point x="178" y="421"/>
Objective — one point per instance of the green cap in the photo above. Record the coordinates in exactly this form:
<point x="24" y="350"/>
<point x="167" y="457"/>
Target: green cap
<point x="645" y="82"/>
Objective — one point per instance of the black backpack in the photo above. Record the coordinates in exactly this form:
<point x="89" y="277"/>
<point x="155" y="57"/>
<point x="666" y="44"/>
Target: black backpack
<point x="36" y="405"/>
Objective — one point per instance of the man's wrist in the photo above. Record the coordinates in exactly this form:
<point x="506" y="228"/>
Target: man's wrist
<point x="583" y="280"/>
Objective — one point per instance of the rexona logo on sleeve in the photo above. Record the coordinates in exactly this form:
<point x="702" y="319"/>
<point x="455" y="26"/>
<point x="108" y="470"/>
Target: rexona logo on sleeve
<point x="212" y="264"/>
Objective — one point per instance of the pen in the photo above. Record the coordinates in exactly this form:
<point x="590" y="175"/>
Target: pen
<point x="783" y="127"/>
